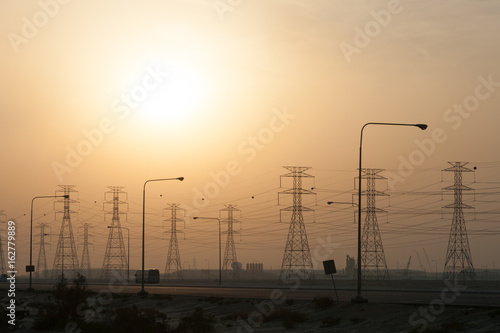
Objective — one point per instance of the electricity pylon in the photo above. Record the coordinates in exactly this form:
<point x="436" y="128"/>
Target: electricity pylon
<point x="85" y="262"/>
<point x="173" y="267"/>
<point x="297" y="261"/>
<point x="115" y="257"/>
<point x="66" y="257"/>
<point x="41" y="262"/>
<point x="373" y="261"/>
<point x="230" y="266"/>
<point x="458" y="263"/>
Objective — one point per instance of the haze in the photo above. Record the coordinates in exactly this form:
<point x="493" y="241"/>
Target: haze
<point x="114" y="93"/>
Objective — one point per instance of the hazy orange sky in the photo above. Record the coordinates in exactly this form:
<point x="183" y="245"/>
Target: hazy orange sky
<point x="101" y="93"/>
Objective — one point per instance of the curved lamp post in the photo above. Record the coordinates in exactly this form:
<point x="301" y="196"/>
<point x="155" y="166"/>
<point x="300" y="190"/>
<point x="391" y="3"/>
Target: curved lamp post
<point x="31" y="268"/>
<point x="359" y="298"/>
<point x="220" y="267"/>
<point x="144" y="292"/>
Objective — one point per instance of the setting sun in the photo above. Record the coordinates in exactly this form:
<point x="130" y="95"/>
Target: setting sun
<point x="175" y="99"/>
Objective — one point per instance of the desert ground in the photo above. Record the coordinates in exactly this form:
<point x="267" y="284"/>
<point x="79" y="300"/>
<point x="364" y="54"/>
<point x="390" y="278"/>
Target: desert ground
<point x="165" y="313"/>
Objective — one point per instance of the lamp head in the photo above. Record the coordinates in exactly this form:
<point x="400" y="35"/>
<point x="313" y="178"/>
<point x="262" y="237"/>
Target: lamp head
<point x="66" y="196"/>
<point x="195" y="217"/>
<point x="329" y="202"/>
<point x="181" y="178"/>
<point x="423" y="127"/>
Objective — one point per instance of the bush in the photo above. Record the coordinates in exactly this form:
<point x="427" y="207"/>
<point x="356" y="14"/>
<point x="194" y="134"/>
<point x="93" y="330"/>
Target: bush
<point x="195" y="323"/>
<point x="322" y="302"/>
<point x="330" y="321"/>
<point x="67" y="300"/>
<point x="288" y="318"/>
<point x="133" y="319"/>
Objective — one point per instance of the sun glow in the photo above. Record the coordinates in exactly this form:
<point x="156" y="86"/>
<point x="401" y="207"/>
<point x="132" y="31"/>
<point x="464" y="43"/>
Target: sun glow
<point x="177" y="98"/>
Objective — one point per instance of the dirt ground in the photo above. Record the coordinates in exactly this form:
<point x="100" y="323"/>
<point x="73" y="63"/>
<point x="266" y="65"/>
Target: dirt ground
<point x="253" y="315"/>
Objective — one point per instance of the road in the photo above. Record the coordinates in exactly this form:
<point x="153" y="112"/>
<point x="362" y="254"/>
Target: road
<point x="446" y="295"/>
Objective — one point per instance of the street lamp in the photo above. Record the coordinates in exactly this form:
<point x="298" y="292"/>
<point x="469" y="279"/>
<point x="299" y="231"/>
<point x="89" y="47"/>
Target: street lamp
<point x="342" y="202"/>
<point x="128" y="250"/>
<point x="143" y="292"/>
<point x="359" y="298"/>
<point x="31" y="268"/>
<point x="220" y="266"/>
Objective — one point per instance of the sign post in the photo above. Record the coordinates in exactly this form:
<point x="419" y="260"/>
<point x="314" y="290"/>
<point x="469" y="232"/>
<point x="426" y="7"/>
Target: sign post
<point x="329" y="267"/>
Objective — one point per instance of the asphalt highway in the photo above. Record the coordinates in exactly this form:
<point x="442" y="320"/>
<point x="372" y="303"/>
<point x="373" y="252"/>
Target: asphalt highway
<point x="447" y="295"/>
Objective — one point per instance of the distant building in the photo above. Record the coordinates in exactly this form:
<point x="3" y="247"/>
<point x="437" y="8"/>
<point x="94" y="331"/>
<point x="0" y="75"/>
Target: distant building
<point x="255" y="267"/>
<point x="350" y="267"/>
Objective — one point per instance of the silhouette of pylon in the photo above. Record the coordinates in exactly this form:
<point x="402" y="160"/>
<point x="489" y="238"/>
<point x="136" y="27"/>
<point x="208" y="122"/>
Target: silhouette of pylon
<point x="458" y="263"/>
<point x="66" y="257"/>
<point x="115" y="257"/>
<point x="230" y="266"/>
<point x="85" y="262"/>
<point x="373" y="261"/>
<point x="173" y="266"/>
<point x="3" y="218"/>
<point x="297" y="261"/>
<point x="41" y="262"/>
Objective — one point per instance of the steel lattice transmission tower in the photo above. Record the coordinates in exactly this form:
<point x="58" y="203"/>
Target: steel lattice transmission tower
<point x="66" y="257"/>
<point x="115" y="256"/>
<point x="372" y="252"/>
<point x="3" y="218"/>
<point x="85" y="262"/>
<point x="297" y="261"/>
<point x="41" y="262"/>
<point x="173" y="266"/>
<point x="458" y="263"/>
<point x="230" y="265"/>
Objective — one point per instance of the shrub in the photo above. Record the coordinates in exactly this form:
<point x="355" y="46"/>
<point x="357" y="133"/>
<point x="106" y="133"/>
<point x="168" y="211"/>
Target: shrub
<point x="133" y="319"/>
<point x="330" y="321"/>
<point x="288" y="317"/>
<point x="67" y="300"/>
<point x="322" y="302"/>
<point x="196" y="322"/>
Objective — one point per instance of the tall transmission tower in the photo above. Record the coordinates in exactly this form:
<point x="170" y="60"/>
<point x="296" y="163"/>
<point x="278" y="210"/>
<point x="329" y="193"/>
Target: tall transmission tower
<point x="41" y="262"/>
<point x="66" y="257"/>
<point x="3" y="218"/>
<point x="458" y="263"/>
<point x="115" y="257"/>
<point x="173" y="267"/>
<point x="372" y="252"/>
<point x="85" y="262"/>
<point x="297" y="261"/>
<point x="230" y="266"/>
